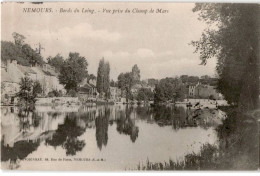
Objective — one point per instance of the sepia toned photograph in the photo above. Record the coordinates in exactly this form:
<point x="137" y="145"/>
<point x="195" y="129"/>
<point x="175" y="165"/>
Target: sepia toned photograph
<point x="127" y="86"/>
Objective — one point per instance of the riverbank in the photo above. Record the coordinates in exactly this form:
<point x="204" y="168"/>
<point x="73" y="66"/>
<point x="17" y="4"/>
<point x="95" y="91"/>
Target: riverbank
<point x="237" y="148"/>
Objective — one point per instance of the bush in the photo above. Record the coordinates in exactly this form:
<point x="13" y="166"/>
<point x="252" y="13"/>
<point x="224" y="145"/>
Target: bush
<point x="55" y="93"/>
<point x="72" y="93"/>
<point x="51" y="94"/>
<point x="211" y="97"/>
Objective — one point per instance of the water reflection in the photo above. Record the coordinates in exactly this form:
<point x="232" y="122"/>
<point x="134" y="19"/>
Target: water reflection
<point x="126" y="125"/>
<point x="70" y="130"/>
<point x="17" y="150"/>
<point x="66" y="135"/>
<point x="180" y="117"/>
<point x="102" y="127"/>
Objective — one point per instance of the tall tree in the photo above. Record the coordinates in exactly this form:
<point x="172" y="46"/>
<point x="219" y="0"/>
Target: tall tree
<point x="73" y="71"/>
<point x="103" y="78"/>
<point x="232" y="37"/>
<point x="136" y="74"/>
<point x="100" y="76"/>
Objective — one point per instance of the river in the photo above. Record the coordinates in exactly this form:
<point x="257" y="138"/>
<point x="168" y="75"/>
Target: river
<point x="114" y="137"/>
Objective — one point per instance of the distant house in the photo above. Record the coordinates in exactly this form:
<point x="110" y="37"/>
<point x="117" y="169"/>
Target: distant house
<point x="11" y="73"/>
<point x="88" y="92"/>
<point x="192" y="90"/>
<point x="115" y="93"/>
<point x="9" y="87"/>
<point x="202" y="91"/>
<point x="205" y="91"/>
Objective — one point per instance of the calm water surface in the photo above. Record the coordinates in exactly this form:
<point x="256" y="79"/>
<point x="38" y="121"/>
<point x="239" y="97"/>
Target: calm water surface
<point x="114" y="137"/>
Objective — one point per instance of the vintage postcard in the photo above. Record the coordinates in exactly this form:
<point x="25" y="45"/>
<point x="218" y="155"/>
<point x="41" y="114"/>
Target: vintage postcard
<point x="126" y="86"/>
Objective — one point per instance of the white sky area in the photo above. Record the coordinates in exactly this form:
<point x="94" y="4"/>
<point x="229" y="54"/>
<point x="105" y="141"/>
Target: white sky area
<point x="157" y="43"/>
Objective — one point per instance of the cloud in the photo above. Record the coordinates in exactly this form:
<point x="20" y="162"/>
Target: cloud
<point x="143" y="52"/>
<point x="85" y="30"/>
<point x="111" y="54"/>
<point x="155" y="64"/>
<point x="79" y="32"/>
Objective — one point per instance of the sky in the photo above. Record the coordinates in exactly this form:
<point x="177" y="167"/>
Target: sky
<point x="157" y="42"/>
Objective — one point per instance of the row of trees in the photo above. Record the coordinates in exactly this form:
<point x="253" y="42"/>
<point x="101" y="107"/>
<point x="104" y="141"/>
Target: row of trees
<point x="73" y="70"/>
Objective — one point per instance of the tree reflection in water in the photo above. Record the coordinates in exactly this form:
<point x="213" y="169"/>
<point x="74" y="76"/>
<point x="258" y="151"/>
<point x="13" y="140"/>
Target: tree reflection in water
<point x="21" y="149"/>
<point x="126" y="125"/>
<point x="237" y="147"/>
<point x="67" y="134"/>
<point x="178" y="116"/>
<point x="102" y="127"/>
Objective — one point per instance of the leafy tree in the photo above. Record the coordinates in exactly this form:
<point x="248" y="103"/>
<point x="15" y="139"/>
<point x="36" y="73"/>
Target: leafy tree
<point x="25" y="92"/>
<point x="10" y="51"/>
<point x="144" y="94"/>
<point x="56" y="61"/>
<point x="113" y="83"/>
<point x="18" y="39"/>
<point x="31" y="55"/>
<point x="37" y="88"/>
<point x="73" y="71"/>
<point x="56" y="93"/>
<point x="232" y="37"/>
<point x="152" y="82"/>
<point x="136" y="74"/>
<point x="168" y="89"/>
<point x="28" y="91"/>
<point x="193" y="79"/>
<point x="103" y="79"/>
<point x="125" y="83"/>
<point x="158" y="94"/>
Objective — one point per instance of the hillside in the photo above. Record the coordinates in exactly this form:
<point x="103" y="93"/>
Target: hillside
<point x="23" y="54"/>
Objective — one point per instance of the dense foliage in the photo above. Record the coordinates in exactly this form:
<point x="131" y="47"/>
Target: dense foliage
<point x="56" y="61"/>
<point x="28" y="92"/>
<point x="168" y="89"/>
<point x="145" y="94"/>
<point x="20" y="51"/>
<point x="232" y="37"/>
<point x="125" y="83"/>
<point x="73" y="71"/>
<point x="136" y="74"/>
